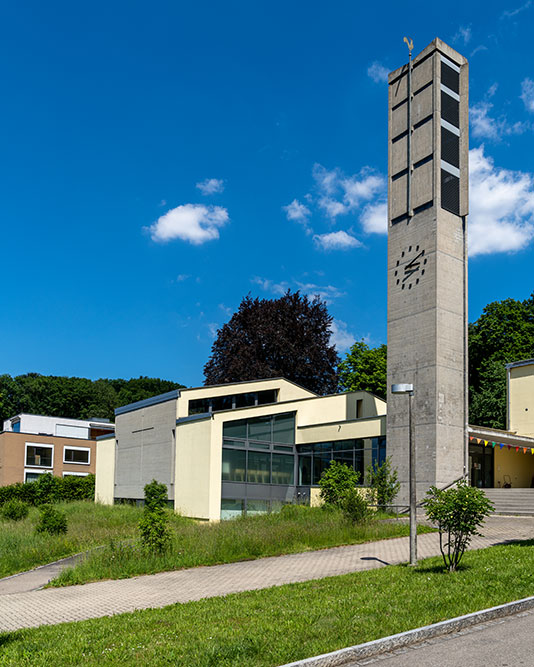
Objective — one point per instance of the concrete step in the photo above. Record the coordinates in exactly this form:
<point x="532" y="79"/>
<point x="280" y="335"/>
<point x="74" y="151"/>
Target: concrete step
<point x="518" y="502"/>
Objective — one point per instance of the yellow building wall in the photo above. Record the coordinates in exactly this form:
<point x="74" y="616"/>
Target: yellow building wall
<point x="521" y="400"/>
<point x="105" y="471"/>
<point x="287" y="391"/>
<point x="518" y="467"/>
<point x="194" y="485"/>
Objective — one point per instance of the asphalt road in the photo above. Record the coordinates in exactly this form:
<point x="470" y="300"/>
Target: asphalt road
<point x="507" y="642"/>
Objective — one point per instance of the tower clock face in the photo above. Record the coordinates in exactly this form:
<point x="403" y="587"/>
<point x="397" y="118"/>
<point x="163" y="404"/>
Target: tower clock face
<point x="410" y="267"/>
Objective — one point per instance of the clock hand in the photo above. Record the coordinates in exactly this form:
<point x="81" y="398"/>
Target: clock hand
<point x="414" y="260"/>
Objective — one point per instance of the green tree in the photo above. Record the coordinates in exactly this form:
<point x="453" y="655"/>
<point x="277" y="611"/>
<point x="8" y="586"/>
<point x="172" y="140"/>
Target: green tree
<point x="154" y="524"/>
<point x="458" y="513"/>
<point x="287" y="337"/>
<point x="383" y="479"/>
<point x="503" y="333"/>
<point x="336" y="482"/>
<point x="364" y="368"/>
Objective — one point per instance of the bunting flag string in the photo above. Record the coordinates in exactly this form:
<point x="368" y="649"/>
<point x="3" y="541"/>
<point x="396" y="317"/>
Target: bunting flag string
<point x="487" y="443"/>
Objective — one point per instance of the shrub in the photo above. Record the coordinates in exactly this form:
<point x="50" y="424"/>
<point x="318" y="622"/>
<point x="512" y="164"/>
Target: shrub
<point x="49" y="489"/>
<point x="154" y="524"/>
<point x="336" y="481"/>
<point x="458" y="513"/>
<point x="154" y="529"/>
<point x="51" y="521"/>
<point x="15" y="510"/>
<point x="155" y="495"/>
<point x="355" y="506"/>
<point x="383" y="479"/>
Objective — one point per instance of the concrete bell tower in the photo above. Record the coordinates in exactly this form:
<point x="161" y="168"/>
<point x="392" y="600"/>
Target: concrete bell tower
<point x="427" y="264"/>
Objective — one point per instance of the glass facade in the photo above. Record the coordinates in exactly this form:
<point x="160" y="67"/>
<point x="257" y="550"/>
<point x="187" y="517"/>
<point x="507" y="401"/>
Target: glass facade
<point x="232" y="401"/>
<point x="313" y="459"/>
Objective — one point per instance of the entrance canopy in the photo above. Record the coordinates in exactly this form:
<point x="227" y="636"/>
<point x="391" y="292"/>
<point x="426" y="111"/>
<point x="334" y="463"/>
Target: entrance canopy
<point x="500" y="459"/>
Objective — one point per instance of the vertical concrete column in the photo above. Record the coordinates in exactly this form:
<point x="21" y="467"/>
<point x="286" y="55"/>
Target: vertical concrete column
<point x="427" y="265"/>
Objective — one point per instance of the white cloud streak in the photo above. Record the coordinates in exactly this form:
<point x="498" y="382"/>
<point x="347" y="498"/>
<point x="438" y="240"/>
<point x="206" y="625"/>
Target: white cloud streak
<point x="527" y="94"/>
<point x="377" y="72"/>
<point x="501" y="217"/>
<point x="194" y="223"/>
<point x="341" y="337"/>
<point x="485" y="126"/>
<point x="211" y="186"/>
<point x="463" y="34"/>
<point x="375" y="218"/>
<point x="336" y="241"/>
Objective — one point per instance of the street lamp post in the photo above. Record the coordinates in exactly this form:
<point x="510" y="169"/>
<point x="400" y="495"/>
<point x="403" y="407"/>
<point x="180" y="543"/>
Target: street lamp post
<point x="408" y="389"/>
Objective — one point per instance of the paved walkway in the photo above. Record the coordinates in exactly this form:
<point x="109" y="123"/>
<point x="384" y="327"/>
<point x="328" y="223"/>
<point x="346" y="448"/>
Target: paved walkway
<point x="500" y="643"/>
<point x="105" y="598"/>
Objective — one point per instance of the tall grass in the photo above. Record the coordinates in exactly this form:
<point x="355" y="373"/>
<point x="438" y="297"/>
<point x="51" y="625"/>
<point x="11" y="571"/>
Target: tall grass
<point x="89" y="525"/>
<point x="293" y="530"/>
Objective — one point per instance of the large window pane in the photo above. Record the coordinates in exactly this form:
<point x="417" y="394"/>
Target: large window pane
<point x="258" y="468"/>
<point x="237" y="429"/>
<point x="76" y="455"/>
<point x="39" y="456"/>
<point x="268" y="396"/>
<point x="305" y="470"/>
<point x="199" y="406"/>
<point x="283" y="471"/>
<point x="342" y="444"/>
<point x="233" y="465"/>
<point x="231" y="508"/>
<point x="257" y="506"/>
<point x="260" y="429"/>
<point x="344" y="457"/>
<point x="221" y="403"/>
<point x="320" y="464"/>
<point x="245" y="400"/>
<point x="284" y="429"/>
<point x="358" y="463"/>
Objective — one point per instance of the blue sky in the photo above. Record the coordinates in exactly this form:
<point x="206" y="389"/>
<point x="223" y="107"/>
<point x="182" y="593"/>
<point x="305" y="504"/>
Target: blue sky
<point x="161" y="160"/>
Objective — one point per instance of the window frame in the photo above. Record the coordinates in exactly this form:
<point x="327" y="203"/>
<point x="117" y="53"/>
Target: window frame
<point x="69" y="473"/>
<point x="32" y="465"/>
<point x="34" y="471"/>
<point x="77" y="463"/>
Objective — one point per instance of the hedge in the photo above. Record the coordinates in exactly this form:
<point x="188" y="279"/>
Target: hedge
<point x="50" y="489"/>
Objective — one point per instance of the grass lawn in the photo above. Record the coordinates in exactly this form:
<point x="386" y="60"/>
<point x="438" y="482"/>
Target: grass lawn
<point x="295" y="529"/>
<point x="89" y="525"/>
<point x="279" y="625"/>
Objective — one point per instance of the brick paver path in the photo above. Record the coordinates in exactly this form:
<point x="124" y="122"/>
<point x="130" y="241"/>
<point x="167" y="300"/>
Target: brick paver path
<point x="105" y="598"/>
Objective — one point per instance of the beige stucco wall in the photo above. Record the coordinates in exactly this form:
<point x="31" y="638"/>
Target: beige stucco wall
<point x="517" y="465"/>
<point x="521" y="400"/>
<point x="198" y="470"/>
<point x="105" y="471"/>
<point x="287" y="391"/>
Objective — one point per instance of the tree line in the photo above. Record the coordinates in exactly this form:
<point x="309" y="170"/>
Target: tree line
<point x="74" y="397"/>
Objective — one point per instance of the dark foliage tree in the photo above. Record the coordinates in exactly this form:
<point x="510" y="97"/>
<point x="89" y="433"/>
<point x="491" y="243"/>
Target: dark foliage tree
<point x="287" y="337"/>
<point x="78" y="398"/>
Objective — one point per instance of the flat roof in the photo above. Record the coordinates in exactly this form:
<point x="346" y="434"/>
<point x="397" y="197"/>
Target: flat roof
<point x="524" y="362"/>
<point x="153" y="400"/>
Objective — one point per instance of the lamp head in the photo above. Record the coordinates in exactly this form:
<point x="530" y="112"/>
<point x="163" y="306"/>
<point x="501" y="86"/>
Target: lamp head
<point x="402" y="388"/>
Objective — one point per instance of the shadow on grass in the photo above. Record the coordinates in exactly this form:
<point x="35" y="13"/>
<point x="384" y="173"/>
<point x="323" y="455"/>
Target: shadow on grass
<point x="435" y="569"/>
<point x="517" y="543"/>
<point x="9" y="637"/>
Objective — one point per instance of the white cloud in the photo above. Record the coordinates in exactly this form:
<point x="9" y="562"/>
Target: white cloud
<point x="211" y="186"/>
<point x="463" y="34"/>
<point x="527" y="94"/>
<point x="326" y="293"/>
<point x="501" y="206"/>
<point x="340" y="336"/>
<point x="271" y="286"/>
<point x="213" y="328"/>
<point x="484" y="126"/>
<point x="340" y="194"/>
<point x="194" y="223"/>
<point x="336" y="241"/>
<point x="297" y="211"/>
<point x="510" y="13"/>
<point x="181" y="277"/>
<point x="480" y="47"/>
<point x="377" y="72"/>
<point x="375" y="218"/>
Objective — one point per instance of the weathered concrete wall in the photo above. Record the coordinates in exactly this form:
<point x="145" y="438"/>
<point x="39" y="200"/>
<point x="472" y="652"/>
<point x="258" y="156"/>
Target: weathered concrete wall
<point x="427" y="277"/>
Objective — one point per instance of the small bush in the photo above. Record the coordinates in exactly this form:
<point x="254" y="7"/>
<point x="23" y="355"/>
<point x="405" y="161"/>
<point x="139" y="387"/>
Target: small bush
<point x="336" y="481"/>
<point x="154" y="524"/>
<point x="155" y="495"/>
<point x="49" y="489"/>
<point x="458" y="513"/>
<point x="383" y="479"/>
<point x="355" y="507"/>
<point x="51" y="521"/>
<point x="15" y="510"/>
<point x="155" y="533"/>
